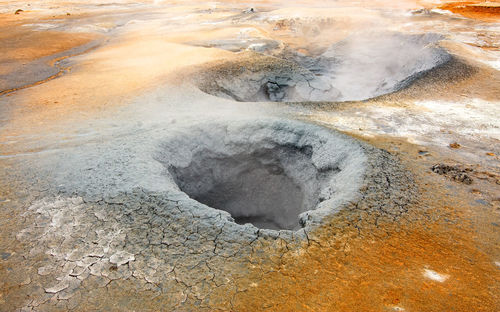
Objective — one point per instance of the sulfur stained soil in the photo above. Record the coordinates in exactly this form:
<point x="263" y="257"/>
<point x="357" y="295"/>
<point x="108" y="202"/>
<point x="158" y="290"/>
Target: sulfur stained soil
<point x="359" y="263"/>
<point x="483" y="10"/>
<point x="377" y="265"/>
<point x="22" y="48"/>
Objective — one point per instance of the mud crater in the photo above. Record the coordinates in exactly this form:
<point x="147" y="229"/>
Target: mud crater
<point x="270" y="174"/>
<point x="268" y="187"/>
<point x="360" y="67"/>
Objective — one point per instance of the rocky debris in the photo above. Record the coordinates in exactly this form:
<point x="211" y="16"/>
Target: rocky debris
<point x="455" y="145"/>
<point x="18" y="11"/>
<point x="454" y="172"/>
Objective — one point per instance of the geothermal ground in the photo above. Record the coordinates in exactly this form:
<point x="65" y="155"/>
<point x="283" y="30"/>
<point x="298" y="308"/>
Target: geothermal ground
<point x="249" y="156"/>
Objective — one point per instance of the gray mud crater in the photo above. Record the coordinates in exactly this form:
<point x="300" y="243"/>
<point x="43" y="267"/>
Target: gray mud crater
<point x="265" y="173"/>
<point x="360" y="67"/>
<point x="234" y="191"/>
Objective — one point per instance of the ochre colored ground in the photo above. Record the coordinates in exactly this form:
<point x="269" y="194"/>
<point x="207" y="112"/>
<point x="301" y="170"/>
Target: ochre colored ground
<point x="21" y="44"/>
<point x="381" y="268"/>
<point x="483" y="10"/>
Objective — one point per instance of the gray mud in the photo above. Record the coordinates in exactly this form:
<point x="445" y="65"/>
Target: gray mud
<point x="359" y="67"/>
<point x="169" y="244"/>
<point x="42" y="68"/>
<point x="271" y="171"/>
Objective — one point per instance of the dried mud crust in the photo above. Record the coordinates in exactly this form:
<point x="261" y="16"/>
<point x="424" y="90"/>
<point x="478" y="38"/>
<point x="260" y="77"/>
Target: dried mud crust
<point x="255" y="77"/>
<point x="166" y="249"/>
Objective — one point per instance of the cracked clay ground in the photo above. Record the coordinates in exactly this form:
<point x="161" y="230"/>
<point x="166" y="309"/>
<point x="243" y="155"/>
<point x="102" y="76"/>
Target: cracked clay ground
<point x="97" y="97"/>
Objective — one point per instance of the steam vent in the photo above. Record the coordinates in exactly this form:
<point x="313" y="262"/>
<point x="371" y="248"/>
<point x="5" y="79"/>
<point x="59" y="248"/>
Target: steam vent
<point x="249" y="156"/>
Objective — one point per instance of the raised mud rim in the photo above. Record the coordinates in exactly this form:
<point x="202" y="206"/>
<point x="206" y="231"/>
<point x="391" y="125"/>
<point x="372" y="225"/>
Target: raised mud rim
<point x="339" y="74"/>
<point x="324" y="166"/>
<point x="383" y="186"/>
<point x="385" y="189"/>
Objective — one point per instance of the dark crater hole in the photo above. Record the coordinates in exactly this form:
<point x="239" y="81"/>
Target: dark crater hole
<point x="268" y="187"/>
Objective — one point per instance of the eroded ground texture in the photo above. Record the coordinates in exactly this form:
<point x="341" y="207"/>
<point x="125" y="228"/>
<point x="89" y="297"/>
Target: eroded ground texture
<point x="249" y="156"/>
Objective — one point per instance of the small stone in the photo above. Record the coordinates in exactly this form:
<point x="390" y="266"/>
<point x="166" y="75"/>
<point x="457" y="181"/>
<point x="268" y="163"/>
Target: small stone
<point x="490" y="154"/>
<point x="121" y="257"/>
<point x="455" y="145"/>
<point x="45" y="270"/>
<point x="5" y="255"/>
<point x="57" y="288"/>
<point x="454" y="172"/>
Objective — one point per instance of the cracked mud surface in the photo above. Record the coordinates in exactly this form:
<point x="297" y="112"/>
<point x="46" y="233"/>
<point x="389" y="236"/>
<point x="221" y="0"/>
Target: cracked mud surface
<point x="181" y="251"/>
<point x="164" y="244"/>
<point x="96" y="162"/>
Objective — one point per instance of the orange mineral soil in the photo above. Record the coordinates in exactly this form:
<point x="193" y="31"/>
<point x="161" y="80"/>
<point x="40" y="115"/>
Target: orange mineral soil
<point x="440" y="262"/>
<point x="482" y="10"/>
